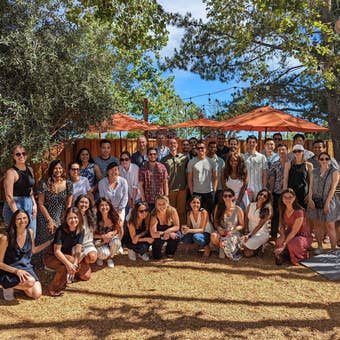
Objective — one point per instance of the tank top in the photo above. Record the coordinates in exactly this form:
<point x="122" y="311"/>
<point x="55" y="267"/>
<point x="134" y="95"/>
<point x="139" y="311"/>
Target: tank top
<point x="23" y="186"/>
<point x="230" y="221"/>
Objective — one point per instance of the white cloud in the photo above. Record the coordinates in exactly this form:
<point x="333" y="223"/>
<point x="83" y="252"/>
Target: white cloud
<point x="195" y="7"/>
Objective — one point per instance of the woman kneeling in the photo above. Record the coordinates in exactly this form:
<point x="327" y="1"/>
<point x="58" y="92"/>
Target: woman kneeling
<point x="257" y="221"/>
<point x="64" y="255"/>
<point x="294" y="238"/>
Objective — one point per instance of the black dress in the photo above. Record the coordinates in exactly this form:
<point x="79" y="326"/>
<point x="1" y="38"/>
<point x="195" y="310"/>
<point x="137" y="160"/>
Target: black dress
<point x="19" y="258"/>
<point x="140" y="247"/>
<point x="298" y="181"/>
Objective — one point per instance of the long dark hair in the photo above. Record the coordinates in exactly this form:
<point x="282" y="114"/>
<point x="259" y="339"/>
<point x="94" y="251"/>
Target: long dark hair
<point x="134" y="214"/>
<point x="78" y="160"/>
<point x="282" y="206"/>
<point x="113" y="215"/>
<point x="89" y="212"/>
<point x="241" y="169"/>
<point x="50" y="179"/>
<point x="221" y="207"/>
<point x="12" y="228"/>
<point x="76" y="211"/>
<point x="264" y="211"/>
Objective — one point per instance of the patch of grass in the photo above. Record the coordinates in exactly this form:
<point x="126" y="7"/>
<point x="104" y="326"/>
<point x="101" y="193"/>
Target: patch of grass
<point x="188" y="298"/>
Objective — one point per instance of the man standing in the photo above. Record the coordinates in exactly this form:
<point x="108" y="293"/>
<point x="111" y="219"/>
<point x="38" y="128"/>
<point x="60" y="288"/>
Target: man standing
<point x="153" y="179"/>
<point x="256" y="166"/>
<point x="162" y="149"/>
<point x="318" y="147"/>
<point x="269" y="153"/>
<point x="234" y="145"/>
<point x="277" y="137"/>
<point x="222" y="150"/>
<point x="202" y="177"/>
<point x="140" y="156"/>
<point x="186" y="148"/>
<point x="299" y="139"/>
<point x="105" y="157"/>
<point x="276" y="185"/>
<point x="176" y="165"/>
<point x="212" y="147"/>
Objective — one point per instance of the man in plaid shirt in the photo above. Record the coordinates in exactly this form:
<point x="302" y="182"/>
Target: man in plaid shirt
<point x="153" y="179"/>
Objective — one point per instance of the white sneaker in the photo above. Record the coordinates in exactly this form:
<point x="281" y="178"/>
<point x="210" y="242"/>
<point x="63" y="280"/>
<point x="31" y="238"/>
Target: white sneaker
<point x="221" y="254"/>
<point x="318" y="251"/>
<point x="120" y="251"/>
<point x="131" y="255"/>
<point x="8" y="294"/>
<point x="100" y="262"/>
<point x="144" y="257"/>
<point x="110" y="263"/>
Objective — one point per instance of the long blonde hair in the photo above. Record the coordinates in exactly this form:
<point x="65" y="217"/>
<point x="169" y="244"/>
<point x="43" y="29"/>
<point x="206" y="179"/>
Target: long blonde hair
<point x="169" y="209"/>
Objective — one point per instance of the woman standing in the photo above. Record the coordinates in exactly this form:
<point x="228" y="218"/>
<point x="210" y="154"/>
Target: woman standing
<point x="198" y="226"/>
<point x="297" y="175"/>
<point x="228" y="221"/>
<point x="108" y="233"/>
<point x="16" y="249"/>
<point x="235" y="178"/>
<point x="64" y="255"/>
<point x="294" y="237"/>
<point x="18" y="185"/>
<point x="89" y="169"/>
<point x="88" y="252"/>
<point x="115" y="189"/>
<point x="257" y="220"/>
<point x="138" y="238"/>
<point x="55" y="194"/>
<point x="324" y="205"/>
<point x="164" y="227"/>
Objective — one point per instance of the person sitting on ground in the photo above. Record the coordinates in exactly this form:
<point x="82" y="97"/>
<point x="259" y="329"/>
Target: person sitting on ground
<point x="88" y="252"/>
<point x="164" y="227"/>
<point x="64" y="255"/>
<point x="257" y="220"/>
<point x="138" y="238"/>
<point x="295" y="238"/>
<point x="108" y="233"/>
<point x="16" y="249"/>
<point x="198" y="228"/>
<point x="228" y="222"/>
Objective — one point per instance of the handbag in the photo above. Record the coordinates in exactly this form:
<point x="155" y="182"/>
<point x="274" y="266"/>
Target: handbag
<point x="318" y="201"/>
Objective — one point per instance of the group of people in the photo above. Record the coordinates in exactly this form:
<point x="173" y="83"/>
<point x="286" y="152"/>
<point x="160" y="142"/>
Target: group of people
<point x="209" y="197"/>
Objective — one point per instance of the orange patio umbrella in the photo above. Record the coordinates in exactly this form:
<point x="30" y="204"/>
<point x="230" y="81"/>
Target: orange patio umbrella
<point x="122" y="122"/>
<point x="270" y="119"/>
<point x="198" y="122"/>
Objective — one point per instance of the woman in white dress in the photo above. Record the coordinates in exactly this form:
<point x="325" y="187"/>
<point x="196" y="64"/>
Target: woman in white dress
<point x="257" y="219"/>
<point x="235" y="177"/>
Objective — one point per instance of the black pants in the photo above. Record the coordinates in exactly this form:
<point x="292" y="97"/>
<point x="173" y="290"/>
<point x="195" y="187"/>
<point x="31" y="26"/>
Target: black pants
<point x="207" y="201"/>
<point x="275" y="218"/>
<point x="170" y="248"/>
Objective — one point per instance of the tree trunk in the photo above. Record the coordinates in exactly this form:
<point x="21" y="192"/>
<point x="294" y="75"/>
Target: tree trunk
<point x="333" y="105"/>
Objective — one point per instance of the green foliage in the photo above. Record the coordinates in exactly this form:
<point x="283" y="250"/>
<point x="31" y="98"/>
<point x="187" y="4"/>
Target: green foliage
<point x="287" y="51"/>
<point x="65" y="65"/>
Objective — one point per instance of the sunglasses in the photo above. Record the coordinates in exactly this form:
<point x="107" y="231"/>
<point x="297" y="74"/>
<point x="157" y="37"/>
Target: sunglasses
<point x="124" y="159"/>
<point x="324" y="159"/>
<point x="142" y="211"/>
<point x="228" y="196"/>
<point x="263" y="194"/>
<point x="297" y="151"/>
<point x="200" y="147"/>
<point x="18" y="154"/>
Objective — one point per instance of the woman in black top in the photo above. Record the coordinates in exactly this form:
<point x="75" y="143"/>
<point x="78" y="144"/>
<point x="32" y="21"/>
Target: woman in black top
<point x="18" y="185"/>
<point x="16" y="249"/>
<point x="64" y="255"/>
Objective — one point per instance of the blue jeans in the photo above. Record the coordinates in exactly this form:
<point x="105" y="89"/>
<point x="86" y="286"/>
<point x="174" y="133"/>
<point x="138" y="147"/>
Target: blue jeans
<point x="24" y="203"/>
<point x="202" y="239"/>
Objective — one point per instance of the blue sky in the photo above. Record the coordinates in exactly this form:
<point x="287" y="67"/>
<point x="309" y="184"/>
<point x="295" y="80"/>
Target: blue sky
<point x="188" y="84"/>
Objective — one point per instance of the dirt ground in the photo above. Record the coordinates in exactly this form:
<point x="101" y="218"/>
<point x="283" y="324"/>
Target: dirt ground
<point x="189" y="297"/>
